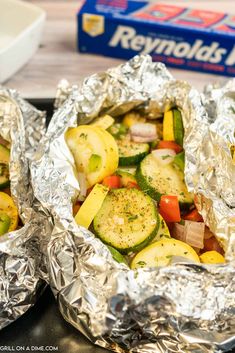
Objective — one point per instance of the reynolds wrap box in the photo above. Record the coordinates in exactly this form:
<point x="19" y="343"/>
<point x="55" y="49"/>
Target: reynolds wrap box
<point x="180" y="37"/>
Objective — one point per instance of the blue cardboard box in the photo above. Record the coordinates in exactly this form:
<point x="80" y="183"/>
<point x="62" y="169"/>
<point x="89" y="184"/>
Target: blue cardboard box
<point x="180" y="37"/>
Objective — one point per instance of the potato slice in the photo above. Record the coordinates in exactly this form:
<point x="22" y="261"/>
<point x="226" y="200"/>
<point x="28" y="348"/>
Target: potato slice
<point x="86" y="141"/>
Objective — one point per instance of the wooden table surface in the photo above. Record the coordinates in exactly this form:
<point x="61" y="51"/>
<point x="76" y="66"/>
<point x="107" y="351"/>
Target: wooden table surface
<point x="57" y="57"/>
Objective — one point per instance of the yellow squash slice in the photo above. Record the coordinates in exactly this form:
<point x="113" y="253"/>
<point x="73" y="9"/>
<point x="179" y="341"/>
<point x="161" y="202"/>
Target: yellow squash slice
<point x="8" y="208"/>
<point x="162" y="252"/>
<point x="168" y="126"/>
<point x="91" y="205"/>
<point x="90" y="144"/>
<point x="212" y="257"/>
<point x="103" y="121"/>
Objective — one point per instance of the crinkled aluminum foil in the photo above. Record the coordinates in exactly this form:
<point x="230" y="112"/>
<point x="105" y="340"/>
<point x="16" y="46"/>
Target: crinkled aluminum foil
<point x="23" y="126"/>
<point x="181" y="308"/>
<point x="215" y="165"/>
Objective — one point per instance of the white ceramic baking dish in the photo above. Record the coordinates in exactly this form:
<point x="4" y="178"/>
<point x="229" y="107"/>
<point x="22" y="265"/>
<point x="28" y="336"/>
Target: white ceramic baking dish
<point x="21" y="26"/>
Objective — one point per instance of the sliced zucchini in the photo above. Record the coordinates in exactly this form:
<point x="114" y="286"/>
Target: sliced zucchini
<point x="117" y="256"/>
<point x="156" y="180"/>
<point x="8" y="208"/>
<point x="5" y="222"/>
<point x="130" y="170"/>
<point x="126" y="177"/>
<point x="131" y="153"/>
<point x="179" y="160"/>
<point x="95" y="152"/>
<point x="128" y="220"/>
<point x="163" y="230"/>
<point x="162" y="252"/>
<point x="178" y="127"/>
<point x="173" y="129"/>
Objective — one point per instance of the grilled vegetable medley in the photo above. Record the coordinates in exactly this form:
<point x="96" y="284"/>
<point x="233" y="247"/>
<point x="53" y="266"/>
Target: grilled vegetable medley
<point x="8" y="211"/>
<point x="133" y="194"/>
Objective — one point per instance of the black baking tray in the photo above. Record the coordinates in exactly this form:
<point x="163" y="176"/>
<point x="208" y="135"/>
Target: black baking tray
<point x="42" y="328"/>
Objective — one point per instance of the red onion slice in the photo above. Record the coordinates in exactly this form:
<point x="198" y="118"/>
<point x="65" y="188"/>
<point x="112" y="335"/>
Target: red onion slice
<point x="143" y="132"/>
<point x="194" y="234"/>
<point x="191" y="233"/>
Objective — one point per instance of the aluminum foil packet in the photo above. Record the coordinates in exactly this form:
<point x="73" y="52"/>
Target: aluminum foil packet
<point x="180" y="308"/>
<point x="215" y="181"/>
<point x="20" y="285"/>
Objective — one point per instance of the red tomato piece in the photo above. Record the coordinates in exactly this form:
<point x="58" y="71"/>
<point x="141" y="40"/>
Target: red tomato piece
<point x="171" y="145"/>
<point x="169" y="208"/>
<point x="113" y="182"/>
<point x="212" y="244"/>
<point x="193" y="216"/>
<point x="131" y="185"/>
